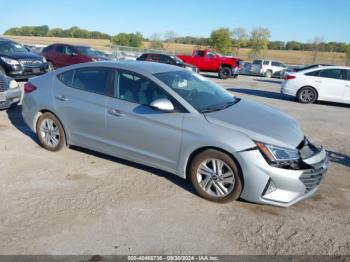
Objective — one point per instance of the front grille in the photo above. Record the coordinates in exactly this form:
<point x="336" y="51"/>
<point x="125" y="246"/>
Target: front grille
<point x="3" y="83"/>
<point x="30" y="62"/>
<point x="312" y="178"/>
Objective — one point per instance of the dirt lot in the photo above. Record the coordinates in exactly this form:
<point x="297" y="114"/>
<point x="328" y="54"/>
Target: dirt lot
<point x="80" y="202"/>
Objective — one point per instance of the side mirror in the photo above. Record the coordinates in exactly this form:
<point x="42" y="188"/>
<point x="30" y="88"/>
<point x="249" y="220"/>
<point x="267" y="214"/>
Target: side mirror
<point x="162" y="104"/>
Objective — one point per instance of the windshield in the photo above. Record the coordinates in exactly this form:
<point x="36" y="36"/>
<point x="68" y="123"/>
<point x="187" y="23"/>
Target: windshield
<point x="88" y="51"/>
<point x="11" y="47"/>
<point x="202" y="94"/>
<point x="257" y="62"/>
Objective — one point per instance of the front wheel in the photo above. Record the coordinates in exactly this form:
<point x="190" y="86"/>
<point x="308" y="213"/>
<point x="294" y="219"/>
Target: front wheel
<point x="51" y="67"/>
<point x="50" y="132"/>
<point x="215" y="176"/>
<point x="307" y="95"/>
<point x="225" y="72"/>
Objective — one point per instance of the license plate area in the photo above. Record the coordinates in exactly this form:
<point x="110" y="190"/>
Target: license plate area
<point x="36" y="70"/>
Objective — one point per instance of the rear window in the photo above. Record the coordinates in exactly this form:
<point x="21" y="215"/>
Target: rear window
<point x="332" y="73"/>
<point x="313" y="73"/>
<point x="66" y="77"/>
<point x="257" y="62"/>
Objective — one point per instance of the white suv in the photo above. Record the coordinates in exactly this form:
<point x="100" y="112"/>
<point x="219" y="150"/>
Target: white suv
<point x="268" y="68"/>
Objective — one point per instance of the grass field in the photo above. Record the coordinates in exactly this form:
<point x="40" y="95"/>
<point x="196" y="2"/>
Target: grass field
<point x="289" y="57"/>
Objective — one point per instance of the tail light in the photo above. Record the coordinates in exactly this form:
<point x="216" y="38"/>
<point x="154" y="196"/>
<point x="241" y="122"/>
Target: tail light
<point x="28" y="87"/>
<point x="289" y="77"/>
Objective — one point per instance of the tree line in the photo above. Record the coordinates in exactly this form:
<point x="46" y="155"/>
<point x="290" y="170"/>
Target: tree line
<point x="222" y="40"/>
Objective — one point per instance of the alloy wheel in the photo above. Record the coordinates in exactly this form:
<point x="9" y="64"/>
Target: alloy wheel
<point x="50" y="133"/>
<point x="307" y="95"/>
<point x="215" y="177"/>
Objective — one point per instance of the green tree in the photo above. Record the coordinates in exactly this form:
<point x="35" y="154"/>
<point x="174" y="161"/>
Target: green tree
<point x="135" y="39"/>
<point x="259" y="40"/>
<point x="240" y="38"/>
<point x="122" y="39"/>
<point x="293" y="45"/>
<point x="276" y="45"/>
<point x="220" y="40"/>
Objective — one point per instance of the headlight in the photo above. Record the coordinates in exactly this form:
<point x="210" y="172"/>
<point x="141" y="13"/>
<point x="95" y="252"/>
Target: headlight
<point x="277" y="154"/>
<point x="44" y="60"/>
<point x="13" y="84"/>
<point x="9" y="61"/>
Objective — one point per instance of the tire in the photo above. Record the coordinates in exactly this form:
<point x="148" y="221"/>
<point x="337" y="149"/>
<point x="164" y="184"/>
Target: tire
<point x="210" y="184"/>
<point x="225" y="72"/>
<point x="307" y="95"/>
<point x="51" y="67"/>
<point x="268" y="74"/>
<point x="50" y="132"/>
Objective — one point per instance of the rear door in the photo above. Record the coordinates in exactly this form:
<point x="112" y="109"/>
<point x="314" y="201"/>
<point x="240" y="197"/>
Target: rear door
<point x="58" y="56"/>
<point x="80" y="98"/>
<point x="347" y="87"/>
<point x="331" y="84"/>
<point x="137" y="131"/>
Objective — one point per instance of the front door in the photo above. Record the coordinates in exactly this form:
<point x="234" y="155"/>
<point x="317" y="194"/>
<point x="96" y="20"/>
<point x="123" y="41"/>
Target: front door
<point x="138" y="132"/>
<point x="331" y="84"/>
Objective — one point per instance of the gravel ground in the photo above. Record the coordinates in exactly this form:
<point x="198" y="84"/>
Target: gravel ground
<point x="80" y="202"/>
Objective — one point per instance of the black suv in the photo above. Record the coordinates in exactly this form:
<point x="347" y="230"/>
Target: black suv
<point x="18" y="62"/>
<point x="166" y="59"/>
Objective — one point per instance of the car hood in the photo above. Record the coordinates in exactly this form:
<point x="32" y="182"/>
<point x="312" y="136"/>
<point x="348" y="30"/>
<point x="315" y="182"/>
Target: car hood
<point x="261" y="123"/>
<point x="21" y="55"/>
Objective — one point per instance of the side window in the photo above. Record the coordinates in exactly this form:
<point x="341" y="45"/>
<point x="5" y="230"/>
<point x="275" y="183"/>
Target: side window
<point x="275" y="64"/>
<point x="69" y="50"/>
<point x="66" y="77"/>
<point x="313" y="73"/>
<point x="166" y="59"/>
<point x="210" y="55"/>
<point x="60" y="49"/>
<point x="266" y="62"/>
<point x="348" y="75"/>
<point x="137" y="89"/>
<point x="143" y="57"/>
<point x="200" y="53"/>
<point x="95" y="80"/>
<point x="332" y="73"/>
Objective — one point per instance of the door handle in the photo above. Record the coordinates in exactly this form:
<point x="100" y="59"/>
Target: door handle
<point x="115" y="112"/>
<point x="61" y="98"/>
<point x="318" y="81"/>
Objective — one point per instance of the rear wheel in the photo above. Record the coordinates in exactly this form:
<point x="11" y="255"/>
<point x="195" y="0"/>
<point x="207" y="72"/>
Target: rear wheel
<point x="307" y="95"/>
<point x="268" y="74"/>
<point x="215" y="176"/>
<point x="225" y="72"/>
<point x="50" y="132"/>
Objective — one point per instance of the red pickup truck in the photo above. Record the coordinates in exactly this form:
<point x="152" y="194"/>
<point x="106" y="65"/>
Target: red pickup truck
<point x="209" y="61"/>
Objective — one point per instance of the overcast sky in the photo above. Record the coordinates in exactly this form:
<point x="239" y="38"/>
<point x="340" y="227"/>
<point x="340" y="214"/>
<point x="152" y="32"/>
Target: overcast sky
<point x="300" y="20"/>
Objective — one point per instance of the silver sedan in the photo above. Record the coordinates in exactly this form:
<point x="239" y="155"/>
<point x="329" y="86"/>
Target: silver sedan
<point x="178" y="121"/>
<point x="10" y="92"/>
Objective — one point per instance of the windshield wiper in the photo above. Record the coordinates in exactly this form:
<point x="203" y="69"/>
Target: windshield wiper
<point x="218" y="107"/>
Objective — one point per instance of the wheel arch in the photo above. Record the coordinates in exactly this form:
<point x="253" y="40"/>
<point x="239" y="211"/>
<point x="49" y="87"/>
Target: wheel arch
<point x="310" y="86"/>
<point x="43" y="111"/>
<point x="204" y="148"/>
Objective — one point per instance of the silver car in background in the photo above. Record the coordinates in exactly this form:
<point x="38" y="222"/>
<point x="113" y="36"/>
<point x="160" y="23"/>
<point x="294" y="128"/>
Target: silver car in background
<point x="10" y="92"/>
<point x="178" y="121"/>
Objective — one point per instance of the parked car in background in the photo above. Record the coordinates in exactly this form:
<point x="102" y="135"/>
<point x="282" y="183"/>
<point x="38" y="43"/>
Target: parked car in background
<point x="326" y="83"/>
<point x="227" y="147"/>
<point x="10" y="92"/>
<point x="18" y="62"/>
<point x="209" y="61"/>
<point x="244" y="68"/>
<point x="59" y="55"/>
<point x="166" y="59"/>
<point x="268" y="68"/>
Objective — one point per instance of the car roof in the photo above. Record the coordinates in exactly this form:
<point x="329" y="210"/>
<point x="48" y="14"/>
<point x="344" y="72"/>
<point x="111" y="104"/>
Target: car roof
<point x="323" y="68"/>
<point x="137" y="66"/>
